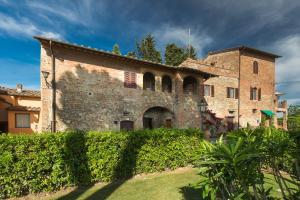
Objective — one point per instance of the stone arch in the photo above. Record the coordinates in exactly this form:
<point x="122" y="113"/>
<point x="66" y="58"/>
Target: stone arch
<point x="190" y="85"/>
<point x="149" y="81"/>
<point x="157" y="116"/>
<point x="167" y="84"/>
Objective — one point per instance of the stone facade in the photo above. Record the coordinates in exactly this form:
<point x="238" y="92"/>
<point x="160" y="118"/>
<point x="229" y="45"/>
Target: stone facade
<point x="91" y="93"/>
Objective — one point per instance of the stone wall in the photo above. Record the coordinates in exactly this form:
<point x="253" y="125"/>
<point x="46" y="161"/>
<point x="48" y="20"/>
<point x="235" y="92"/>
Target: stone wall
<point x="91" y="93"/>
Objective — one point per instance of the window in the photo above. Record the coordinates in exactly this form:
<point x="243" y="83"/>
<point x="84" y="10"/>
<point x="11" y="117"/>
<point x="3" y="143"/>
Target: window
<point x="130" y="79"/>
<point x="255" y="67"/>
<point x="209" y="90"/>
<point x="255" y="94"/>
<point x="166" y="84"/>
<point x="23" y="120"/>
<point x="149" y="81"/>
<point x="232" y="93"/>
<point x="190" y="85"/>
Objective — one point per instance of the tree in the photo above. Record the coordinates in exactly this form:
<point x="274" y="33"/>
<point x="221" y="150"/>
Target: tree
<point x="191" y="52"/>
<point x="147" y="51"/>
<point x="294" y="110"/>
<point x="131" y="54"/>
<point x="116" y="49"/>
<point x="174" y="55"/>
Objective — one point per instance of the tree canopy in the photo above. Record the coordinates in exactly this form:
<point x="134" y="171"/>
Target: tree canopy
<point x="116" y="49"/>
<point x="174" y="55"/>
<point x="147" y="51"/>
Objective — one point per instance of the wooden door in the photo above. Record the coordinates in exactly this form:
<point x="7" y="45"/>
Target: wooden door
<point x="126" y="125"/>
<point x="168" y="123"/>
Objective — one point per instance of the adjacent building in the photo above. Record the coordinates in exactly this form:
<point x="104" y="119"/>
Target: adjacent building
<point x="19" y="110"/>
<point x="90" y="89"/>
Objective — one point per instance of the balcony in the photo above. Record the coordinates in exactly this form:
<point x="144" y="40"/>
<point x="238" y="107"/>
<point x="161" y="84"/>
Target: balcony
<point x="282" y="106"/>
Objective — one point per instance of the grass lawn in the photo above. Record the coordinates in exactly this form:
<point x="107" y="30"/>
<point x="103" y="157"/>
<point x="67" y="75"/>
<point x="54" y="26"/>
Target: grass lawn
<point x="166" y="185"/>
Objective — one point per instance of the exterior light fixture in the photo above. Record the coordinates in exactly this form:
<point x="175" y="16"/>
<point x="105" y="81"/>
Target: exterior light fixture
<point x="46" y="75"/>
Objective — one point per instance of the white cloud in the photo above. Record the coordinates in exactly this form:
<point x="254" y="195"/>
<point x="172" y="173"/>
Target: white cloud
<point x="23" y="27"/>
<point x="77" y="12"/>
<point x="180" y="35"/>
<point x="288" y="67"/>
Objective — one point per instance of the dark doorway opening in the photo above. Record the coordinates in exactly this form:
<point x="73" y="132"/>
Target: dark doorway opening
<point x="3" y="127"/>
<point x="147" y="123"/>
<point x="230" y="124"/>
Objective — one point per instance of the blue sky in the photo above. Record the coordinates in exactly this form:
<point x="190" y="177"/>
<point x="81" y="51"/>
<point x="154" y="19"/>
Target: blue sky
<point x="271" y="25"/>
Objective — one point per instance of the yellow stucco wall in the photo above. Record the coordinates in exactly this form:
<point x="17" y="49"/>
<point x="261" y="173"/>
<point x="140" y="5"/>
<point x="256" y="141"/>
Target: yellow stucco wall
<point x="34" y="120"/>
<point x="9" y="117"/>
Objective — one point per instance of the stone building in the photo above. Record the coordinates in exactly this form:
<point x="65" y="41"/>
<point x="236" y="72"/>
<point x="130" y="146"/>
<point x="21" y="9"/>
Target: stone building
<point x="19" y="110"/>
<point x="90" y="89"/>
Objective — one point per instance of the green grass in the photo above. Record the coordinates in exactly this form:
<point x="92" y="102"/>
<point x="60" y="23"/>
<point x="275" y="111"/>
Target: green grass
<point x="162" y="186"/>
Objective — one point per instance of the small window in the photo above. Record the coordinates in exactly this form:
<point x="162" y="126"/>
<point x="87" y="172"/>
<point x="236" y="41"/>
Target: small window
<point x="209" y="90"/>
<point x="253" y="94"/>
<point x="232" y="93"/>
<point x="23" y="120"/>
<point x="255" y="67"/>
<point x="130" y="79"/>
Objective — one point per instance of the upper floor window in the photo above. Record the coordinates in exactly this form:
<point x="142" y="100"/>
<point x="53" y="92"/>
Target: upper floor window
<point x="209" y="90"/>
<point x="255" y="67"/>
<point x="232" y="93"/>
<point x="255" y="93"/>
<point x="23" y="120"/>
<point x="149" y="81"/>
<point x="130" y="79"/>
<point x="190" y="85"/>
<point x="166" y="84"/>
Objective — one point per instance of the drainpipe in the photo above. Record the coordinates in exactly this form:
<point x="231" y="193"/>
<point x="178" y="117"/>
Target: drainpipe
<point x="53" y="91"/>
<point x="239" y="89"/>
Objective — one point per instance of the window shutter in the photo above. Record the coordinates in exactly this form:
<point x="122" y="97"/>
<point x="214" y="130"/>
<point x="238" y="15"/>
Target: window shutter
<point x="212" y="87"/>
<point x="133" y="80"/>
<point x="259" y="94"/>
<point x="126" y="79"/>
<point x="228" y="92"/>
<point x="251" y="93"/>
<point x="236" y="93"/>
<point x="201" y="90"/>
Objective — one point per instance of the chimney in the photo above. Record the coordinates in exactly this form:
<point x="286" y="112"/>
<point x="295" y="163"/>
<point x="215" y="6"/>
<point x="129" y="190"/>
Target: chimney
<point x="19" y="88"/>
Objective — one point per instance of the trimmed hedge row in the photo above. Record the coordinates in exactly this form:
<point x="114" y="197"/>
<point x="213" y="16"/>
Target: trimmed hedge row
<point x="48" y="162"/>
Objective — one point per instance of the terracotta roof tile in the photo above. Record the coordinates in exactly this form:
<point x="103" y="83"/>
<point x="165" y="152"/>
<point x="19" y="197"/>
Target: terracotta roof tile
<point x="24" y="108"/>
<point x="14" y="92"/>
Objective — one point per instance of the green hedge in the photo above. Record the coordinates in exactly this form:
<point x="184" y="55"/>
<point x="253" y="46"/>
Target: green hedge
<point x="48" y="162"/>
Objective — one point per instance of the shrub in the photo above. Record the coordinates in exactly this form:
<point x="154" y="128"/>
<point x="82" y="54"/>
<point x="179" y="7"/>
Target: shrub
<point x="48" y="162"/>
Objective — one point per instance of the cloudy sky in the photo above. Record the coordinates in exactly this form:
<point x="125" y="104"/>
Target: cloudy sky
<point x="271" y="25"/>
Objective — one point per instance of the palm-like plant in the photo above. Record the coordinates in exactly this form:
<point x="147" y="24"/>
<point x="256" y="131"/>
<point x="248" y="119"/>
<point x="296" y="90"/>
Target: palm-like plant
<point x="230" y="169"/>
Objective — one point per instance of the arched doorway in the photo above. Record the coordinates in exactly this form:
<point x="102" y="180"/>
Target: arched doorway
<point x="157" y="117"/>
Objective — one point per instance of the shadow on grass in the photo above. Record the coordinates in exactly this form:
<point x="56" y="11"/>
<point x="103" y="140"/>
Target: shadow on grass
<point x="190" y="193"/>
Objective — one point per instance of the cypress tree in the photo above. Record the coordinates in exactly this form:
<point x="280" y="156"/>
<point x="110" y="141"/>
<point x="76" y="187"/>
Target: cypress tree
<point x="191" y="52"/>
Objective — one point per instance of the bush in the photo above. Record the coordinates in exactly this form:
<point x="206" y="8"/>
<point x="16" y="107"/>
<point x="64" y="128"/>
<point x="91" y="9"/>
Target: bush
<point x="48" y="162"/>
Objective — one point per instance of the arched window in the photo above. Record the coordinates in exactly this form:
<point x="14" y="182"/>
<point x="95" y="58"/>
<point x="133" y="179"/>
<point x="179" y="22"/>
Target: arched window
<point x="255" y="67"/>
<point x="190" y="85"/>
<point x="149" y="81"/>
<point x="166" y="84"/>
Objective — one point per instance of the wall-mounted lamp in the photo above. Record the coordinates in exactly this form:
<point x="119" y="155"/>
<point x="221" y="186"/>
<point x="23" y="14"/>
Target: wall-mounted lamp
<point x="46" y="75"/>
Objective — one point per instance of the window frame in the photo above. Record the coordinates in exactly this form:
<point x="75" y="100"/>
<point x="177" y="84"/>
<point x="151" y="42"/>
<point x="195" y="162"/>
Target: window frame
<point x="211" y="90"/>
<point x="16" y="121"/>
<point x="235" y="93"/>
